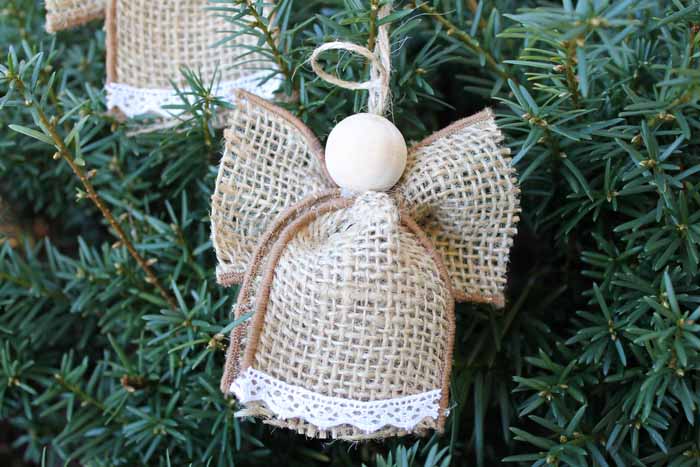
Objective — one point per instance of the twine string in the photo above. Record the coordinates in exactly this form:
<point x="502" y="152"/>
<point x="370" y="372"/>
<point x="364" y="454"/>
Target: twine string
<point x="380" y="66"/>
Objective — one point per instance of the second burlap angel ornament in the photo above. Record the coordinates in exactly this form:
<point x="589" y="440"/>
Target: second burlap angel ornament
<point x="350" y="266"/>
<point x="149" y="42"/>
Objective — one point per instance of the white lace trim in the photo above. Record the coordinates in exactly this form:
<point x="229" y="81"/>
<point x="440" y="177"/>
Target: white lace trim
<point x="288" y="401"/>
<point x="133" y="101"/>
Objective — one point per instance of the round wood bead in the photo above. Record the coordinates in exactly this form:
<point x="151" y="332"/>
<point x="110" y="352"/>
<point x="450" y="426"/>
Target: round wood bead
<point x="366" y="152"/>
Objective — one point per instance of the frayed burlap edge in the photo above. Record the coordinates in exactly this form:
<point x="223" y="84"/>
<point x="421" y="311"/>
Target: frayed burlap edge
<point x="111" y="41"/>
<point x="229" y="279"/>
<point x="479" y="117"/>
<point x="55" y="23"/>
<point x="344" y="432"/>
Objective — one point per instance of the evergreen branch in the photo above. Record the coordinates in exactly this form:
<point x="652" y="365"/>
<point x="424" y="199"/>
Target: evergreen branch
<point x="610" y="195"/>
<point x="571" y="81"/>
<point x="694" y="30"/>
<point x="665" y="115"/>
<point x="259" y="22"/>
<point x="466" y="39"/>
<point x="27" y="285"/>
<point x="15" y="280"/>
<point x="84" y="397"/>
<point x="49" y="124"/>
<point x="689" y="92"/>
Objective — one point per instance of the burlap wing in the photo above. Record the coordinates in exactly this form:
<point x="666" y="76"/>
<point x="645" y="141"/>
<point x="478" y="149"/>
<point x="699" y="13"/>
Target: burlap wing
<point x="460" y="186"/>
<point x="65" y="14"/>
<point x="271" y="161"/>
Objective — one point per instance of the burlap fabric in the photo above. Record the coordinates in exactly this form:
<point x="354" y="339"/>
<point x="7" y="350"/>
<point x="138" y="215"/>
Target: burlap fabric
<point x="463" y="191"/>
<point x="65" y="14"/>
<point x="351" y="305"/>
<point x="154" y="40"/>
<point x="149" y="43"/>
<point x="271" y="162"/>
<point x="458" y="184"/>
<point x="340" y="293"/>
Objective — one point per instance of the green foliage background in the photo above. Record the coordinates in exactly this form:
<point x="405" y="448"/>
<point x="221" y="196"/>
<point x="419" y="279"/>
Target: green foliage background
<point x="594" y="360"/>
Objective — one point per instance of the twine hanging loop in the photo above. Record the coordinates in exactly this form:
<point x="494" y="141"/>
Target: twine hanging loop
<point x="380" y="66"/>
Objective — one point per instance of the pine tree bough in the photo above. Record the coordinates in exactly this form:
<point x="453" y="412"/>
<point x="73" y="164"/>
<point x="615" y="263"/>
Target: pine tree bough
<point x="591" y="362"/>
<point x="49" y="126"/>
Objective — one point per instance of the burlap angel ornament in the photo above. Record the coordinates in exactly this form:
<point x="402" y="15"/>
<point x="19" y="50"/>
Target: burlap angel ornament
<point x="349" y="279"/>
<point x="149" y="42"/>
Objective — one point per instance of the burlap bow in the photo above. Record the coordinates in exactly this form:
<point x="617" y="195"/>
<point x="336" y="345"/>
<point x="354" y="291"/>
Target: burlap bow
<point x="458" y="185"/>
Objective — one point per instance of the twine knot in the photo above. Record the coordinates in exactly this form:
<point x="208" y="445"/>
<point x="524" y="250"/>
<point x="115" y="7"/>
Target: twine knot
<point x="380" y="66"/>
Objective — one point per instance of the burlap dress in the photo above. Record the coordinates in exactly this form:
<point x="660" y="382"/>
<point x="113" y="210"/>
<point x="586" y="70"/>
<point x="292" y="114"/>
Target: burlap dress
<point x="150" y="42"/>
<point x="347" y="299"/>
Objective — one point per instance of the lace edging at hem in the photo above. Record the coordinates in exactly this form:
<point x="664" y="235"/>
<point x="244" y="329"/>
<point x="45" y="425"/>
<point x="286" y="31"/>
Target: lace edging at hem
<point x="133" y="101"/>
<point x="289" y="401"/>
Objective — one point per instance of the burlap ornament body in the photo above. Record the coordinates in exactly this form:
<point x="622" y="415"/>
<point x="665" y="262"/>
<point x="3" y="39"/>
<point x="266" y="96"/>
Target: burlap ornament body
<point x="347" y="300"/>
<point x="149" y="43"/>
<point x="352" y="325"/>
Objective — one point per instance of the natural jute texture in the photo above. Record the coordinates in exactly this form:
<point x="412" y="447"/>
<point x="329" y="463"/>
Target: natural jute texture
<point x="271" y="162"/>
<point x="353" y="304"/>
<point x="65" y="14"/>
<point x="153" y="40"/>
<point x="253" y="277"/>
<point x="149" y="44"/>
<point x="460" y="186"/>
<point x="354" y="298"/>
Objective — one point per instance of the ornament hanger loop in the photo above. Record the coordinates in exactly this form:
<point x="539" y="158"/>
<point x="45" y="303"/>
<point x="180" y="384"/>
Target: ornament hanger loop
<point x="350" y="47"/>
<point x="380" y="66"/>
